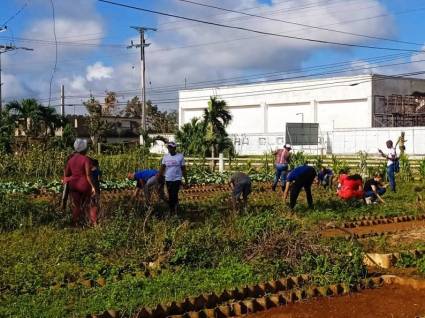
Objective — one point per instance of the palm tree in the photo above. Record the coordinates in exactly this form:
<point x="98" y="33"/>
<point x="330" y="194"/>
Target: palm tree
<point x="216" y="118"/>
<point x="51" y="120"/>
<point x="191" y="138"/>
<point x="28" y="111"/>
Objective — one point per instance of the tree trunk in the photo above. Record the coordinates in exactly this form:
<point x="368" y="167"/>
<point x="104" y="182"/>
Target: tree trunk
<point x="213" y="164"/>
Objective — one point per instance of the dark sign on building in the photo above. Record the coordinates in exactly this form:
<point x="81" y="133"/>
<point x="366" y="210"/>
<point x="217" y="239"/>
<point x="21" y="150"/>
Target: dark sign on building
<point x="302" y="134"/>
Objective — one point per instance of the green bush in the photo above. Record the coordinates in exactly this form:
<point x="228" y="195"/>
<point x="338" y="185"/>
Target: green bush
<point x="19" y="211"/>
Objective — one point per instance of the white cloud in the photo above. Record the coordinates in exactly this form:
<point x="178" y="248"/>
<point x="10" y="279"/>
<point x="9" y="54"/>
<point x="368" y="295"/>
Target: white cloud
<point x="231" y="53"/>
<point x="98" y="71"/>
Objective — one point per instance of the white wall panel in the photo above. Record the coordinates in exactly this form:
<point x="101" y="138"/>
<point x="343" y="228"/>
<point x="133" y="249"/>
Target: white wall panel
<point x="279" y="115"/>
<point x="343" y="114"/>
<point x="188" y="114"/>
<point x="246" y="119"/>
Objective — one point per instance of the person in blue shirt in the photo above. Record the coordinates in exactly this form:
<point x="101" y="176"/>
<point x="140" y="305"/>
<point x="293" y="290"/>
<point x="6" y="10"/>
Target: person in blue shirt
<point x="324" y="177"/>
<point x="147" y="181"/>
<point x="301" y="177"/>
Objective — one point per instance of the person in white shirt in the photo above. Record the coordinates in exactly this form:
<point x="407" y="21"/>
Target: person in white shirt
<point x="173" y="168"/>
<point x="391" y="162"/>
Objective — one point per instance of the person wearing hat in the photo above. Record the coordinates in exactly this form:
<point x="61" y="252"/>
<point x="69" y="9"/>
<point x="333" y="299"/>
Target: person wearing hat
<point x="78" y="176"/>
<point x="283" y="157"/>
<point x="148" y="180"/>
<point x="173" y="168"/>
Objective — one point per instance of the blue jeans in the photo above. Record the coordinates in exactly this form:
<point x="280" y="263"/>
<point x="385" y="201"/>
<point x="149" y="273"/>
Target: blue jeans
<point x="391" y="176"/>
<point x="281" y="173"/>
<point x="372" y="195"/>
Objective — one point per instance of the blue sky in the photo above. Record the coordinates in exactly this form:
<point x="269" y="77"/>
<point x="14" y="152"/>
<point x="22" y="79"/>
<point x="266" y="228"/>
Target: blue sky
<point x="93" y="58"/>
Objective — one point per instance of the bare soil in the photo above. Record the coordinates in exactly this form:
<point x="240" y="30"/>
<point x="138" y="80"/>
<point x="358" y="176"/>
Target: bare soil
<point x="379" y="228"/>
<point x="389" y="301"/>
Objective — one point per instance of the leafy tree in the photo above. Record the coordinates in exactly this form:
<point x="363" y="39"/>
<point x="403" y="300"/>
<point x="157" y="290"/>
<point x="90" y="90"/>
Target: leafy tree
<point x="6" y="132"/>
<point x="157" y="121"/>
<point x="133" y="108"/>
<point x="51" y="120"/>
<point x="191" y="138"/>
<point x="216" y="118"/>
<point x="110" y="105"/>
<point x="27" y="114"/>
<point x="96" y="124"/>
<point x="34" y="119"/>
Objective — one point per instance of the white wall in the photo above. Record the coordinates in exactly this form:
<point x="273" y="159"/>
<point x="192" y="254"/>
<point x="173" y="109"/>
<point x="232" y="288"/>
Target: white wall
<point x="247" y="119"/>
<point x="280" y="114"/>
<point x="344" y="114"/>
<point x="350" y="141"/>
<point x="267" y="107"/>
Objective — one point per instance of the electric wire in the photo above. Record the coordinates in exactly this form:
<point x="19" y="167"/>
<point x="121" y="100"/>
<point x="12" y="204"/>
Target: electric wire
<point x="256" y="31"/>
<point x="56" y="51"/>
<point x="15" y="14"/>
<point x="298" y="24"/>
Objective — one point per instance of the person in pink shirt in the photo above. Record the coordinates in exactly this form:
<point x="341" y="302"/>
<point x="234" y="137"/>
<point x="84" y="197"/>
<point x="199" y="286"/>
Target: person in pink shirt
<point x="282" y="159"/>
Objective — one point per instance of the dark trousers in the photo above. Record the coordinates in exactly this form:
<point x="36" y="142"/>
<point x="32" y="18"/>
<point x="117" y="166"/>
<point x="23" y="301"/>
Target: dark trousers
<point x="173" y="188"/>
<point x="391" y="176"/>
<point x="303" y="181"/>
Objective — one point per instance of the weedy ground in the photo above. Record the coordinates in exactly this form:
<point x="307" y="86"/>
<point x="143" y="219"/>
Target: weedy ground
<point x="50" y="269"/>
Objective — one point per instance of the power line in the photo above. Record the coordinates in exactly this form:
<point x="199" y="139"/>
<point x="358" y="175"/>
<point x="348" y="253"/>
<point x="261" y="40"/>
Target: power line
<point x="256" y="31"/>
<point x="296" y="23"/>
<point x="175" y="88"/>
<point x="168" y="89"/>
<point x="4" y="25"/>
<point x="289" y="10"/>
<point x="56" y="50"/>
<point x="67" y="43"/>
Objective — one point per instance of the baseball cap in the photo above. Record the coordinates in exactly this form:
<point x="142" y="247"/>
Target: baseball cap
<point x="172" y="144"/>
<point x="287" y="146"/>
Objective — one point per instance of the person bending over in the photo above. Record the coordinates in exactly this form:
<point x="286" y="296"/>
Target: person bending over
<point x="374" y="189"/>
<point x="324" y="177"/>
<point x="351" y="187"/>
<point x="301" y="177"/>
<point x="148" y="180"/>
<point x="241" y="185"/>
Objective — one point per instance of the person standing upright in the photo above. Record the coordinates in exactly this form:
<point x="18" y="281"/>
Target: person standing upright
<point x="391" y="163"/>
<point x="173" y="168"/>
<point x="78" y="176"/>
<point x="283" y="157"/>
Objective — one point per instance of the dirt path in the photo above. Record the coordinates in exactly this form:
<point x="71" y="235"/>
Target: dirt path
<point x="389" y="301"/>
<point x="379" y="228"/>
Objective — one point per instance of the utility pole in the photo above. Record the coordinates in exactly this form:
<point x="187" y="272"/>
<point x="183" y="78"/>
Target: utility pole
<point x="63" y="101"/>
<point x="142" y="46"/>
<point x="5" y="49"/>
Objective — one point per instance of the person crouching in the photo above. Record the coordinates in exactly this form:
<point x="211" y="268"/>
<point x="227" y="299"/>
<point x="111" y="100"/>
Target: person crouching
<point x="374" y="189"/>
<point x="148" y="180"/>
<point x="241" y="185"/>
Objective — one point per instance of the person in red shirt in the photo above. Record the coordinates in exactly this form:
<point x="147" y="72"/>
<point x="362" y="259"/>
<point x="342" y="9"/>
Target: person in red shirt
<point x="78" y="176"/>
<point x="351" y="187"/>
<point x="283" y="157"/>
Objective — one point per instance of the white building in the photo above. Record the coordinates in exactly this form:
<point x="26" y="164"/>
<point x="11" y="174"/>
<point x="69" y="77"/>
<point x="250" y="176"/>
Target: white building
<point x="342" y="106"/>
